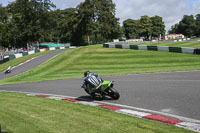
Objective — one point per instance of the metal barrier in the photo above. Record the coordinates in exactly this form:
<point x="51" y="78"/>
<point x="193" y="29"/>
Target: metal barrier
<point x="154" y="48"/>
<point x="4" y="58"/>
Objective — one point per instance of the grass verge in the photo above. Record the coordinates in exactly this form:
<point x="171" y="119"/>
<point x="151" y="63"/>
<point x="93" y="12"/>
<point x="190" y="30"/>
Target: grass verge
<point x="107" y="61"/>
<point x="20" y="113"/>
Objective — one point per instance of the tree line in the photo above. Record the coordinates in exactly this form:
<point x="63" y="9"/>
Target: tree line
<point x="146" y="27"/>
<point x="25" y="22"/>
<point x="189" y="26"/>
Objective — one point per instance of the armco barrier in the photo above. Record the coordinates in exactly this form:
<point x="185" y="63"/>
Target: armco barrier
<point x="11" y="57"/>
<point x="154" y="48"/>
<point x="134" y="47"/>
<point x="57" y="47"/>
<point x="18" y="55"/>
<point x="37" y="51"/>
<point x="62" y="47"/>
<point x="125" y="46"/>
<point x="52" y="48"/>
<point x="188" y="50"/>
<point x="111" y="45"/>
<point x="142" y="47"/>
<point x="163" y="48"/>
<point x="1" y="57"/>
<point x="25" y="53"/>
<point x="175" y="49"/>
<point x="118" y="46"/>
<point x="197" y="51"/>
<point x="106" y="45"/>
<point x="31" y="52"/>
<point x="41" y="50"/>
<point x="4" y="60"/>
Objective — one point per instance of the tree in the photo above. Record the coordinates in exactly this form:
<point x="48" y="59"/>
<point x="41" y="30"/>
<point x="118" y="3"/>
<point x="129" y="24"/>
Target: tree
<point x="145" y="26"/>
<point x="109" y="24"/>
<point x="186" y="26"/>
<point x="98" y="20"/>
<point x="197" y="22"/>
<point x="158" y="26"/>
<point x="131" y="28"/>
<point x="5" y="36"/>
<point x="66" y="28"/>
<point x="3" y="15"/>
<point x="174" y="29"/>
<point x="31" y="21"/>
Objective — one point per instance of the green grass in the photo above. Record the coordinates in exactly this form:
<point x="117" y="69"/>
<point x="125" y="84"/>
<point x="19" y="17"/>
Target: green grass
<point x="20" y="113"/>
<point x="107" y="61"/>
<point x="17" y="61"/>
<point x="189" y="44"/>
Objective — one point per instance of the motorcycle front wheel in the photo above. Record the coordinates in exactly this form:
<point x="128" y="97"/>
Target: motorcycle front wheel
<point x="114" y="94"/>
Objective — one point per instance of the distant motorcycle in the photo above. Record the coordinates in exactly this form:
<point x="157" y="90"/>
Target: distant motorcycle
<point x="8" y="70"/>
<point x="105" y="89"/>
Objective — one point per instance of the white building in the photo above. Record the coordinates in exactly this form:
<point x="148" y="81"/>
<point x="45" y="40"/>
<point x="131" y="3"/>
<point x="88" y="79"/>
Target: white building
<point x="173" y="36"/>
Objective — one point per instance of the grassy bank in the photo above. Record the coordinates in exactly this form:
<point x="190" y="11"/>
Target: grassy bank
<point x="20" y="113"/>
<point x="17" y="61"/>
<point x="107" y="61"/>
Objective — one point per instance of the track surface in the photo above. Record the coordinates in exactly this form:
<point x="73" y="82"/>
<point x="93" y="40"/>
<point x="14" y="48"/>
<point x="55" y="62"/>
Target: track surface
<point x="176" y="93"/>
<point x="29" y="65"/>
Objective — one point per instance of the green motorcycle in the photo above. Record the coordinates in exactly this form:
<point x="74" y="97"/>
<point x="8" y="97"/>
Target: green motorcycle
<point x="104" y="89"/>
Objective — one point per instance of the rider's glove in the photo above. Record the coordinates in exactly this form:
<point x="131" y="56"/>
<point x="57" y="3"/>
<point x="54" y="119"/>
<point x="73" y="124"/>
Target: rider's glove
<point x="83" y="86"/>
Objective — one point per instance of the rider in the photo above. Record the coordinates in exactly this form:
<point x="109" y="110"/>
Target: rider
<point x="8" y="70"/>
<point x="92" y="80"/>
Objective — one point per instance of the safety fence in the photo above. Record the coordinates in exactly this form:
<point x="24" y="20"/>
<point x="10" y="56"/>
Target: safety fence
<point x="154" y="48"/>
<point x="4" y="59"/>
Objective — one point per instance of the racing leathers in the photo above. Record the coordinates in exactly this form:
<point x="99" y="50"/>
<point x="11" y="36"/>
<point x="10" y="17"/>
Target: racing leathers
<point x="92" y="82"/>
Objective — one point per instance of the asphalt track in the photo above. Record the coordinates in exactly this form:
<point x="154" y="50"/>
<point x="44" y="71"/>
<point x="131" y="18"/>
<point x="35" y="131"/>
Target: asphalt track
<point x="29" y="65"/>
<point x="176" y="93"/>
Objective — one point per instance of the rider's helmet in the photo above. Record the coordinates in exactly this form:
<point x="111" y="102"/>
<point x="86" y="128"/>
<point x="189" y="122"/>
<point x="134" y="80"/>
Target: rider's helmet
<point x="86" y="73"/>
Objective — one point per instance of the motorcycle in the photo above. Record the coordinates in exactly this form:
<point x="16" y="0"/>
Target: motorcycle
<point x="104" y="89"/>
<point x="8" y="70"/>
